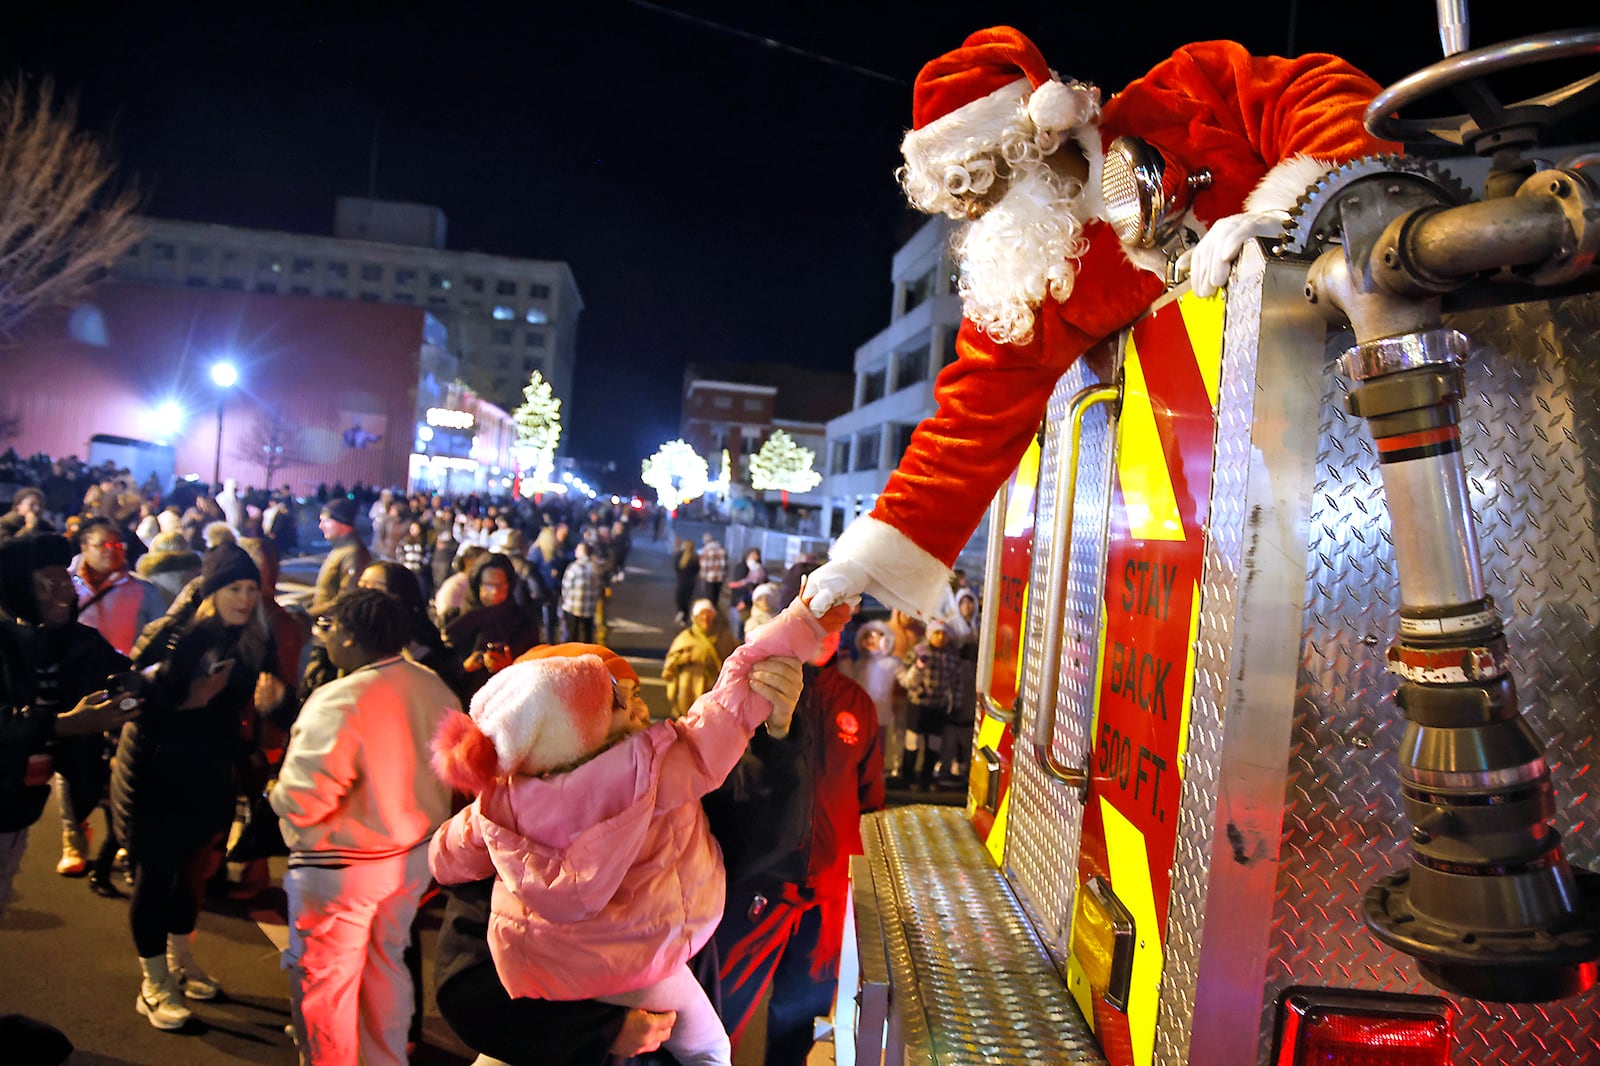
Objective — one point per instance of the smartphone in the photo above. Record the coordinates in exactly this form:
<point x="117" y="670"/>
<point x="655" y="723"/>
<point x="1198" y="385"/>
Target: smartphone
<point x="126" y="688"/>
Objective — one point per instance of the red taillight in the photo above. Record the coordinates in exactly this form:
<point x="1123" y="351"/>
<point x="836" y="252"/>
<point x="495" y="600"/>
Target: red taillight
<point x="1345" y="1027"/>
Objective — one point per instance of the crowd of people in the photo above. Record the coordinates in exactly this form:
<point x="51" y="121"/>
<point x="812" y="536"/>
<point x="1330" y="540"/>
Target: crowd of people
<point x="921" y="675"/>
<point x="172" y="701"/>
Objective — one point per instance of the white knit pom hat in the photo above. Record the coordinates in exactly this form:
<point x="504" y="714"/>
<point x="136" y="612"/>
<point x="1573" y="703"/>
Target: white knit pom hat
<point x="546" y="713"/>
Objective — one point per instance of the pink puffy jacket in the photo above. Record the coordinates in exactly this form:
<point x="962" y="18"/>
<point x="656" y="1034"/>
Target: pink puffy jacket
<point x="607" y="876"/>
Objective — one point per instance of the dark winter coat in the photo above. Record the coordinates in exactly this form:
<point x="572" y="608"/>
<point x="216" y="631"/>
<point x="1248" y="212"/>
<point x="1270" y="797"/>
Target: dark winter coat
<point x="173" y="783"/>
<point x="86" y="661"/>
<point x="790" y="813"/>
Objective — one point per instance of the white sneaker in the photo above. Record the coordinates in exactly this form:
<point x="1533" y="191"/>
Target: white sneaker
<point x="160" y="1004"/>
<point x="194" y="982"/>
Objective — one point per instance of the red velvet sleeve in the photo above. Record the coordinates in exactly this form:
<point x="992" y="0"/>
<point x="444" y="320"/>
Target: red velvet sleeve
<point x="1217" y="106"/>
<point x="992" y="399"/>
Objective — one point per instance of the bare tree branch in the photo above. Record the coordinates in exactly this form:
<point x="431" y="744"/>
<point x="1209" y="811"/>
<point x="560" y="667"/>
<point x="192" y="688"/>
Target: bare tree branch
<point x="273" y="443"/>
<point x="62" y="222"/>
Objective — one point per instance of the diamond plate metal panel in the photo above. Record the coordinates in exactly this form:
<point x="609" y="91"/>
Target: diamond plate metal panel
<point x="1202" y="762"/>
<point x="1046" y="819"/>
<point x="1529" y="428"/>
<point x="973" y="983"/>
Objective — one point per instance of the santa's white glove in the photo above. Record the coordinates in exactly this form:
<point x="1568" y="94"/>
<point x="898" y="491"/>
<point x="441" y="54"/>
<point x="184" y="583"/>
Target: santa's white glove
<point x="835" y="581"/>
<point x="1209" y="261"/>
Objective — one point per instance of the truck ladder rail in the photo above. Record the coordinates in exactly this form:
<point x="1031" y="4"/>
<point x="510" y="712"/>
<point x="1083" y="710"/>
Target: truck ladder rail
<point x="1043" y="731"/>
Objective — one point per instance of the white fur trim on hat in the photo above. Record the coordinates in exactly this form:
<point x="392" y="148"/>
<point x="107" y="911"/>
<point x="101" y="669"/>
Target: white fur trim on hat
<point x="903" y="575"/>
<point x="954" y="155"/>
<point x="545" y="713"/>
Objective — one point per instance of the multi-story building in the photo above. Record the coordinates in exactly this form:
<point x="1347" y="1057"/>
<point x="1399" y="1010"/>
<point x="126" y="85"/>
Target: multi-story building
<point x="737" y="407"/>
<point x="894" y="376"/>
<point x="503" y="317"/>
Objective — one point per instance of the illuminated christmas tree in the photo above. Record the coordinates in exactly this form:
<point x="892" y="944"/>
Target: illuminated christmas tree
<point x="784" y="465"/>
<point x="538" y="421"/>
<point x="677" y="473"/>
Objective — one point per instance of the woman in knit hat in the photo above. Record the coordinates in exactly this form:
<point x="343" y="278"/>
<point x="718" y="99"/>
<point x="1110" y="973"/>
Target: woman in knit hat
<point x="172" y="791"/>
<point x="609" y="879"/>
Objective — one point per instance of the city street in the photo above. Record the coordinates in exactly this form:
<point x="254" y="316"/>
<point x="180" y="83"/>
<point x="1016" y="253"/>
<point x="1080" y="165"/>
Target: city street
<point x="71" y="956"/>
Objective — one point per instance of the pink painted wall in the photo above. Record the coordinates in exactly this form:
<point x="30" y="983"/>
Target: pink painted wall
<point x="327" y="366"/>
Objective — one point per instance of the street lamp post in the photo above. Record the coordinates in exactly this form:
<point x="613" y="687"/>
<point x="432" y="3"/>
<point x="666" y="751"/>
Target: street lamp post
<point x="224" y="376"/>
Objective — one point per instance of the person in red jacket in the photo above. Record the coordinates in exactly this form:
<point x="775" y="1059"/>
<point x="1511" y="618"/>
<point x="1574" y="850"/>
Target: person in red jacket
<point x="1000" y="140"/>
<point x="788" y="819"/>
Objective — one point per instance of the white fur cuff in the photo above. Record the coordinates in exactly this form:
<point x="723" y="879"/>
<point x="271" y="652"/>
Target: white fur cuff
<point x="1282" y="186"/>
<point x="903" y="575"/>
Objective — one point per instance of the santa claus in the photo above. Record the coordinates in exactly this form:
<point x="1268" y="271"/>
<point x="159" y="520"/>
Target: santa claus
<point x="1000" y="140"/>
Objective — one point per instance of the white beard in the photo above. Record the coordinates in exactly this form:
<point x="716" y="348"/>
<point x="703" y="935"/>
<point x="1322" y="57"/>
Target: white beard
<point x="1023" y="249"/>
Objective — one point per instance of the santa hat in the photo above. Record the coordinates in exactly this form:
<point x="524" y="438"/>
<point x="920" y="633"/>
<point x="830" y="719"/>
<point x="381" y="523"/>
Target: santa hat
<point x="532" y="717"/>
<point x="967" y="105"/>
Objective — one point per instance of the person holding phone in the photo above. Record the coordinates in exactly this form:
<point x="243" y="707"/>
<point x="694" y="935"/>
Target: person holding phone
<point x="53" y="673"/>
<point x="172" y="789"/>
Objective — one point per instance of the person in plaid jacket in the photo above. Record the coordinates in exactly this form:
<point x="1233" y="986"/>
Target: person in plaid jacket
<point x="713" y="568"/>
<point x="580" y="596"/>
<point x="930" y="677"/>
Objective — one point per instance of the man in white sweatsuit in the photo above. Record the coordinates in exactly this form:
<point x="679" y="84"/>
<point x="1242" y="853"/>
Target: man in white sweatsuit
<point x="358" y="802"/>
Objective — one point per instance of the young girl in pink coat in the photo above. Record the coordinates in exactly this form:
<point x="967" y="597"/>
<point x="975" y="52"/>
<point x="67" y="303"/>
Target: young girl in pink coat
<point x="607" y="877"/>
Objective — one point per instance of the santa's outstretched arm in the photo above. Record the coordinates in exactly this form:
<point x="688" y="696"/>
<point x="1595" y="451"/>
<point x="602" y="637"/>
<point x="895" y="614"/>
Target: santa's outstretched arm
<point x="990" y="403"/>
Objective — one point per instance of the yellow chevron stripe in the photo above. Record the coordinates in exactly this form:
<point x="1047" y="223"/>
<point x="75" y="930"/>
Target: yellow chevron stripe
<point x="1202" y="318"/>
<point x="1130" y="880"/>
<point x="990" y="733"/>
<point x="1152" y="507"/>
<point x="1019" y="505"/>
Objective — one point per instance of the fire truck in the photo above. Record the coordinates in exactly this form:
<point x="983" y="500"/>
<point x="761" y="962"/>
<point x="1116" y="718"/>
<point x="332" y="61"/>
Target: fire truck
<point x="1289" y="680"/>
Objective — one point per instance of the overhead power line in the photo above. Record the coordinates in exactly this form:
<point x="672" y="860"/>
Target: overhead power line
<point x="768" y="42"/>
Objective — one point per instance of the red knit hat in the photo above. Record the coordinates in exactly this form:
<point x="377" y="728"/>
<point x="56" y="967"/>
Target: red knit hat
<point x="964" y="101"/>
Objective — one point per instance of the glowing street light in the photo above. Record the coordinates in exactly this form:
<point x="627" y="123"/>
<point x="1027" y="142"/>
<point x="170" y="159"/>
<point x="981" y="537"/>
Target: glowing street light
<point x="225" y="375"/>
<point x="164" y="421"/>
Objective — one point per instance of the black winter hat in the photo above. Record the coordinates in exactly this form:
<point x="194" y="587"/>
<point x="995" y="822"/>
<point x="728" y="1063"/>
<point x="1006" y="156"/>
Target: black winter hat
<point x="225" y="564"/>
<point x="340" y="509"/>
<point x="19" y="558"/>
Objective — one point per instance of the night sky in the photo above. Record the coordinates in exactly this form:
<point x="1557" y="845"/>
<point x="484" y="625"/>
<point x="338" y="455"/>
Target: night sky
<point x="718" y="198"/>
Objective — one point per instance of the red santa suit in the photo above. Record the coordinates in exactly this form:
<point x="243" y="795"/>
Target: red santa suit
<point x="1264" y="127"/>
